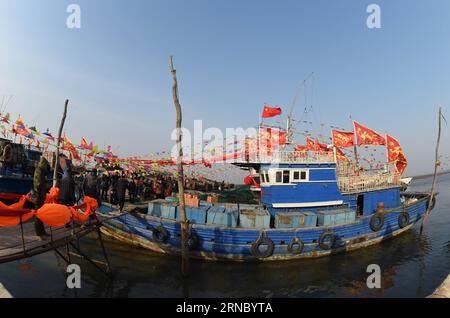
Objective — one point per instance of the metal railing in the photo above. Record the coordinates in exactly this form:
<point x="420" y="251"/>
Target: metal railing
<point x="351" y="179"/>
<point x="279" y="157"/>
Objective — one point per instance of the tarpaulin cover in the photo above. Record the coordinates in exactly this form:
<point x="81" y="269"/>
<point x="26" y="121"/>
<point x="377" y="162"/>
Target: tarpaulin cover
<point x="50" y="213"/>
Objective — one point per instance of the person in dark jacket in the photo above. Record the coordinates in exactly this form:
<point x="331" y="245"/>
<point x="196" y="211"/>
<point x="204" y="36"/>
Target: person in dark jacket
<point x="39" y="193"/>
<point x="122" y="185"/>
<point x="132" y="190"/>
<point x="105" y="183"/>
<point x="92" y="185"/>
<point x="67" y="186"/>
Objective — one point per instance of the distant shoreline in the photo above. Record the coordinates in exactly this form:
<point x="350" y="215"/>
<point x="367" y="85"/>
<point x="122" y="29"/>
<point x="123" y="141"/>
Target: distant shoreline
<point x="423" y="176"/>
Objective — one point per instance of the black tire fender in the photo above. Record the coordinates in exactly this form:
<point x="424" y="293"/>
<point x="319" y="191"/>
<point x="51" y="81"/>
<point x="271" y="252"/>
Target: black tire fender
<point x="193" y="241"/>
<point x="160" y="234"/>
<point x="403" y="219"/>
<point x="376" y="222"/>
<point x="260" y="242"/>
<point x="296" y="246"/>
<point x="327" y="235"/>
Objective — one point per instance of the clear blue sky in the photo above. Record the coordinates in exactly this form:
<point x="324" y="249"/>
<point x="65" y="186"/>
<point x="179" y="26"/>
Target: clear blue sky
<point x="231" y="57"/>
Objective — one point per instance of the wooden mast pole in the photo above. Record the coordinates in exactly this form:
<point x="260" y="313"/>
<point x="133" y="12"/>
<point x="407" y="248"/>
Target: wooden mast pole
<point x="184" y="225"/>
<point x="436" y="166"/>
<point x="61" y="126"/>
<point x="355" y="142"/>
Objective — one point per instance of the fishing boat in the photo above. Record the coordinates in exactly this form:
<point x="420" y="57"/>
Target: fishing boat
<point x="312" y="204"/>
<point x="17" y="164"/>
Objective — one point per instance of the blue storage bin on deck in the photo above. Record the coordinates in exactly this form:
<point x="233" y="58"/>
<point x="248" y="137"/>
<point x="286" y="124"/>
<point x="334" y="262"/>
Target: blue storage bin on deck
<point x="295" y="219"/>
<point x="350" y="216"/>
<point x="154" y="209"/>
<point x="223" y="217"/>
<point x="207" y="204"/>
<point x="169" y="210"/>
<point x="249" y="207"/>
<point x="258" y="219"/>
<point x="289" y="220"/>
<point x="196" y="215"/>
<point x="310" y="219"/>
<point x="335" y="217"/>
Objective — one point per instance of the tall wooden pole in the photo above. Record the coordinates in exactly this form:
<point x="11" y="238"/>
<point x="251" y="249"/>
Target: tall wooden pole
<point x="184" y="225"/>
<point x="436" y="166"/>
<point x="61" y="126"/>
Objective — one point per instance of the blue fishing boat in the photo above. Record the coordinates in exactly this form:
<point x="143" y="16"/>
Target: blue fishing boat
<point x="17" y="164"/>
<point x="312" y="204"/>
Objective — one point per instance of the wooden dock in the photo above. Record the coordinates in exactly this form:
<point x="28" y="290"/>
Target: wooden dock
<point x="4" y="293"/>
<point x="15" y="246"/>
<point x="443" y="291"/>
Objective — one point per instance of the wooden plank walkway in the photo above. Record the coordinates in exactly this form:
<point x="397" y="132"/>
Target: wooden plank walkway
<point x="12" y="247"/>
<point x="443" y="291"/>
<point x="4" y="293"/>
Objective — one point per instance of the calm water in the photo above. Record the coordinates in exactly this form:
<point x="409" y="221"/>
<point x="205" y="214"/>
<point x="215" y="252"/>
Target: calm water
<point x="412" y="265"/>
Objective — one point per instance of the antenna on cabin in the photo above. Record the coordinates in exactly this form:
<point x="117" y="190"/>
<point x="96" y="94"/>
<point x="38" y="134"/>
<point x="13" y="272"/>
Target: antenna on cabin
<point x="289" y="132"/>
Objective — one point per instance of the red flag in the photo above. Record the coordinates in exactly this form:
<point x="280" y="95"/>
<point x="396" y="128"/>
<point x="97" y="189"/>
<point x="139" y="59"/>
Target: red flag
<point x="271" y="136"/>
<point x="340" y="156"/>
<point x="84" y="144"/>
<point x="395" y="154"/>
<point x="342" y="138"/>
<point x="269" y="112"/>
<point x="314" y="145"/>
<point x="367" y="136"/>
<point x="301" y="148"/>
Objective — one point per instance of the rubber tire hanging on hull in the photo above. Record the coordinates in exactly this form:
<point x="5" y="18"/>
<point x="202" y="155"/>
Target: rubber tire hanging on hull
<point x="296" y="246"/>
<point x="403" y="219"/>
<point x="376" y="222"/>
<point x="260" y="242"/>
<point x="193" y="241"/>
<point x="160" y="234"/>
<point x="327" y="246"/>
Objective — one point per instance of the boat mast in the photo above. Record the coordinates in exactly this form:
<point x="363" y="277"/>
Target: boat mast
<point x="289" y="132"/>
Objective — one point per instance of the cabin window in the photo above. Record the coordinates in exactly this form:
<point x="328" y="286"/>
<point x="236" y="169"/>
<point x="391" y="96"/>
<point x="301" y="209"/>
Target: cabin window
<point x="300" y="175"/>
<point x="286" y="176"/>
<point x="303" y="175"/>
<point x="278" y="177"/>
<point x="267" y="177"/>
<point x="263" y="179"/>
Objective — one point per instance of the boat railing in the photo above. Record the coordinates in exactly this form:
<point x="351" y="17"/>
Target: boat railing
<point x="279" y="157"/>
<point x="350" y="179"/>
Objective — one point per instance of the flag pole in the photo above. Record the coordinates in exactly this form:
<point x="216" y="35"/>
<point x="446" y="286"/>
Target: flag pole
<point x="61" y="126"/>
<point x="355" y="142"/>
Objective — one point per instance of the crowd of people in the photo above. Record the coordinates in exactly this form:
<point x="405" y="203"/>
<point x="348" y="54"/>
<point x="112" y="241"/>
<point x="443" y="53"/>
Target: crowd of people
<point x="114" y="186"/>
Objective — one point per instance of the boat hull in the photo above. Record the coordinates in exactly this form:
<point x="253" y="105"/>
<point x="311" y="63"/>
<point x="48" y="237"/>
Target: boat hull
<point x="17" y="185"/>
<point x="235" y="244"/>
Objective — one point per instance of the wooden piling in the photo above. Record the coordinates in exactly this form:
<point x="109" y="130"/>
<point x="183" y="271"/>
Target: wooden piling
<point x="61" y="126"/>
<point x="184" y="225"/>
<point x="436" y="166"/>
